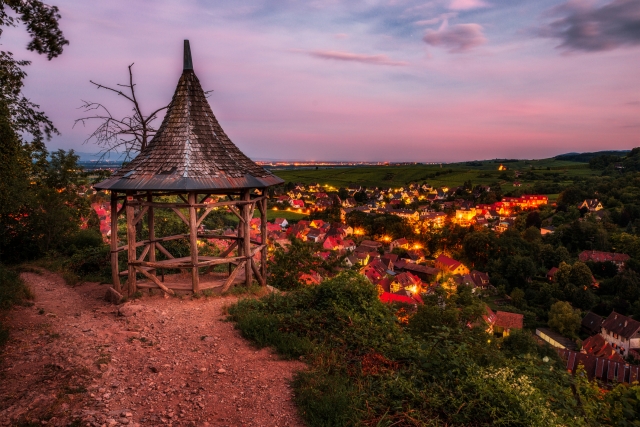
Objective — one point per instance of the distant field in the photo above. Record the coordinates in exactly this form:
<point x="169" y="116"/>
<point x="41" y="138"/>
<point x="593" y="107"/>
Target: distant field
<point x="271" y="215"/>
<point x="397" y="176"/>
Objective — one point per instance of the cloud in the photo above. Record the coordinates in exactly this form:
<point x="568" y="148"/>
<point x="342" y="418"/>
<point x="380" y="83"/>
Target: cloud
<point x="356" y="57"/>
<point x="443" y="17"/>
<point x="466" y="4"/>
<point x="583" y="26"/>
<point x="457" y="38"/>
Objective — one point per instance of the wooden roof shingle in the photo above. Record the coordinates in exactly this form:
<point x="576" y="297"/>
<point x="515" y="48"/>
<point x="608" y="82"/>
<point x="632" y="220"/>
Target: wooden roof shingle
<point x="190" y="151"/>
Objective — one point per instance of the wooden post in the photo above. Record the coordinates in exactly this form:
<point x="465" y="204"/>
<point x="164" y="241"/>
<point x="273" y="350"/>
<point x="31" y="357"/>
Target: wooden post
<point x="246" y="211"/>
<point x="152" y="232"/>
<point x="131" y="246"/>
<point x="193" y="239"/>
<point x="241" y="232"/>
<point x="115" y="269"/>
<point x="263" y="232"/>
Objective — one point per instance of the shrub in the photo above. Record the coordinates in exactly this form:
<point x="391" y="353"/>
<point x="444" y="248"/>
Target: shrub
<point x="367" y="368"/>
<point x="13" y="291"/>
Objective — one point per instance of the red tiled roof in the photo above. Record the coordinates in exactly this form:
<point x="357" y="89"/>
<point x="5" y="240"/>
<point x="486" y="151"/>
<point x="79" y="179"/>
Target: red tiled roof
<point x="597" y="346"/>
<point x="387" y="297"/>
<point x="509" y="320"/>
<point x="621" y="325"/>
<point x="597" y="256"/>
<point x="450" y="263"/>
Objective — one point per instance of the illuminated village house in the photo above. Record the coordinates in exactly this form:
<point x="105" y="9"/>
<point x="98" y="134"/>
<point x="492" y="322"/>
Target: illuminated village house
<point x="192" y="159"/>
<point x="450" y="266"/>
<point x="622" y="333"/>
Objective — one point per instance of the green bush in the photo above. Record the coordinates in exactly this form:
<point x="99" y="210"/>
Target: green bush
<point x="13" y="291"/>
<point x="369" y="368"/>
<point x="85" y="239"/>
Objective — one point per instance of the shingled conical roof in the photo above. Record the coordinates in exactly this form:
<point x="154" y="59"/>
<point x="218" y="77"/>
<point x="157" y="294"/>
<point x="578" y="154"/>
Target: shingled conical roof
<point x="190" y="151"/>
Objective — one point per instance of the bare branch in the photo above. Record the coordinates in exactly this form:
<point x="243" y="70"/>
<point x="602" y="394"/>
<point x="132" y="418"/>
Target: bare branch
<point x="128" y="134"/>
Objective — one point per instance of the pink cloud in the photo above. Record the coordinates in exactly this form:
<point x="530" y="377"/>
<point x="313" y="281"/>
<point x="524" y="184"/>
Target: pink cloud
<point x="466" y="4"/>
<point x="457" y="38"/>
<point x="356" y="57"/>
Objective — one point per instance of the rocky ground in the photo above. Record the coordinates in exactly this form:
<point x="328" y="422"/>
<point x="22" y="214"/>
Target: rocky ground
<point x="74" y="359"/>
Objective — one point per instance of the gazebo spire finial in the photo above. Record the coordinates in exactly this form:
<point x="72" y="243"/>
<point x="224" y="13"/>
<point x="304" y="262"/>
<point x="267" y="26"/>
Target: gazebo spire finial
<point x="188" y="62"/>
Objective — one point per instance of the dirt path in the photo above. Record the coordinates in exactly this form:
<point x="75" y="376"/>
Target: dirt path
<point x="72" y="360"/>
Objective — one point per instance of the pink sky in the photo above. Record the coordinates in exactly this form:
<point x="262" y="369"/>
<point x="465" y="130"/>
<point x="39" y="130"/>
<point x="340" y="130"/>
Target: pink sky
<point x="400" y="80"/>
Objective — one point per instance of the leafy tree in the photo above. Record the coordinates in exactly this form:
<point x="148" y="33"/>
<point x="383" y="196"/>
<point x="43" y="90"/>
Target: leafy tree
<point x="532" y="234"/>
<point x="14" y="182"/>
<point x="517" y="297"/>
<point x="288" y="263"/>
<point x="361" y="197"/>
<point x="533" y="219"/>
<point x="343" y="193"/>
<point x="41" y="22"/>
<point x="479" y="246"/>
<point x="564" y="319"/>
<point x="571" y="196"/>
<point x="626" y="285"/>
<point x="519" y="343"/>
<point x="518" y="270"/>
<point x="19" y="119"/>
<point x="552" y="257"/>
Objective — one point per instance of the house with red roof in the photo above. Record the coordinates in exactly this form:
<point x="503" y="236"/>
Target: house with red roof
<point x="406" y="281"/>
<point x="399" y="243"/>
<point x="323" y="204"/>
<point x="506" y="322"/>
<point x="375" y="271"/>
<point x="450" y="266"/>
<point x="622" y="333"/>
<point x="317" y="223"/>
<point x="597" y="256"/>
<point x="349" y="245"/>
<point x="592" y="205"/>
<point x="333" y="243"/>
<point x="282" y="222"/>
<point x="273" y="228"/>
<point x="315" y="235"/>
<point x="480" y="279"/>
<point x="499" y="323"/>
<point x="298" y="204"/>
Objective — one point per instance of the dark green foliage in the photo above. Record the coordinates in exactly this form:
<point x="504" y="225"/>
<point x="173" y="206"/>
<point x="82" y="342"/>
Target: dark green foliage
<point x="379" y="225"/>
<point x="564" y="319"/>
<point x="13" y="291"/>
<point x="297" y="258"/>
<point x="366" y="368"/>
<point x="41" y="21"/>
<point x="587" y="157"/>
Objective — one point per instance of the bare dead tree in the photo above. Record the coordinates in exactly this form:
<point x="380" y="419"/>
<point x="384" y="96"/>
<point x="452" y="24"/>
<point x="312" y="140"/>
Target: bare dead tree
<point x="129" y="134"/>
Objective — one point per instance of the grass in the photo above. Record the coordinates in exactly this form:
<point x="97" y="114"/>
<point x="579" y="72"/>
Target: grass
<point x="397" y="176"/>
<point x="288" y="215"/>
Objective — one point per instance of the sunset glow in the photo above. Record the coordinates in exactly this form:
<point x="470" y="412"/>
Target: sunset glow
<point x="441" y="80"/>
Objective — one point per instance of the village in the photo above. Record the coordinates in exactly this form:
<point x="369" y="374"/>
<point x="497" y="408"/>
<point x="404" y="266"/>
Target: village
<point x="319" y="214"/>
<point x="402" y="272"/>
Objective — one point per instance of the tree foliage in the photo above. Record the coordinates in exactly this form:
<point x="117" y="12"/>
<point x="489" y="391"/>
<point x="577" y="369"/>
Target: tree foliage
<point x="564" y="319"/>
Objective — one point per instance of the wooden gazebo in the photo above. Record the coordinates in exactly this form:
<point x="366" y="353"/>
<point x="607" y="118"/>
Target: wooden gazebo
<point x="191" y="158"/>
